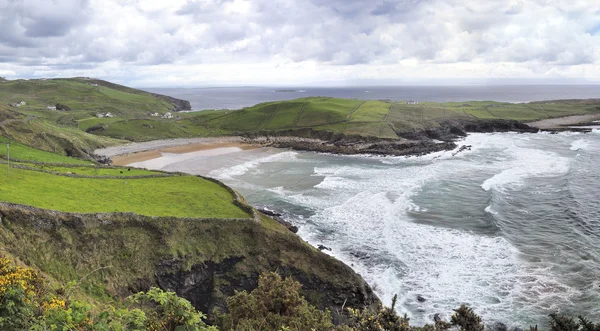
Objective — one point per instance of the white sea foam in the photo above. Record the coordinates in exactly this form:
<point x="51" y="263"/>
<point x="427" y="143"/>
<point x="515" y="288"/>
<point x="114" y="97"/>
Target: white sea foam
<point x="525" y="163"/>
<point x="241" y="169"/>
<point x="580" y="144"/>
<point x="364" y="213"/>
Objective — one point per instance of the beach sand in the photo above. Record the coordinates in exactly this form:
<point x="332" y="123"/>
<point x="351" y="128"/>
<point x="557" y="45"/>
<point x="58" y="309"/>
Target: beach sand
<point x="139" y="157"/>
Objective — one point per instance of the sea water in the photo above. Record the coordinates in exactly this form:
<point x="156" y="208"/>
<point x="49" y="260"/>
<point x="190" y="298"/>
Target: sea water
<point x="510" y="227"/>
<point x="238" y="97"/>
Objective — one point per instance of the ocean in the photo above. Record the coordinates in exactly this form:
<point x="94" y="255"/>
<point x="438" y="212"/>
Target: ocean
<point x="239" y="97"/>
<point x="510" y="227"/>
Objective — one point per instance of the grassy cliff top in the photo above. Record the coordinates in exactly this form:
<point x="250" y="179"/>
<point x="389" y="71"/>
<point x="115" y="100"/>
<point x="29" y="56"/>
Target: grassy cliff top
<point x="38" y="179"/>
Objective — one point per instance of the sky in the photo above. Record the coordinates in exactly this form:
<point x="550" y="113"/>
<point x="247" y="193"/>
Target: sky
<point x="186" y="43"/>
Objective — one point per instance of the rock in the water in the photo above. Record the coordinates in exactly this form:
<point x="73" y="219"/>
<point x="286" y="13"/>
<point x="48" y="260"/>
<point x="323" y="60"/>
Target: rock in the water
<point x="437" y="318"/>
<point x="420" y="298"/>
<point x="498" y="326"/>
<point x="269" y="212"/>
<point x="322" y="248"/>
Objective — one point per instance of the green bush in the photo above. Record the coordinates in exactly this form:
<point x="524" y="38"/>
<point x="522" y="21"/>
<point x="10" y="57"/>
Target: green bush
<point x="275" y="304"/>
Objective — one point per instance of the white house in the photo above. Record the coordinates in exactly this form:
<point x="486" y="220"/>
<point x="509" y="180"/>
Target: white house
<point x="412" y="102"/>
<point x="168" y="115"/>
<point x="51" y="107"/>
<point x="19" y="104"/>
<point x="100" y="115"/>
<point x="154" y="114"/>
<point x="108" y="115"/>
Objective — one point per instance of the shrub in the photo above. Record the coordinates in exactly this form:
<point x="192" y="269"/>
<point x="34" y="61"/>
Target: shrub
<point x="275" y="304"/>
<point x="21" y="294"/>
<point x="27" y="303"/>
<point x="466" y="319"/>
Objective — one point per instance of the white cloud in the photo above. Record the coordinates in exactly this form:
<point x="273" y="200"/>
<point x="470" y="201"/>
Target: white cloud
<point x="199" y="42"/>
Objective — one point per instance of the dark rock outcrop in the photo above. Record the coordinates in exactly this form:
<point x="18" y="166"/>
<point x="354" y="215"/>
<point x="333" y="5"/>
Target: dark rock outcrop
<point x="277" y="216"/>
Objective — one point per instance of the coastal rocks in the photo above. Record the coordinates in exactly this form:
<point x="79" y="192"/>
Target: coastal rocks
<point x="498" y="125"/>
<point x="357" y="145"/>
<point x="420" y="298"/>
<point x="323" y="248"/>
<point x="498" y="326"/>
<point x="462" y="149"/>
<point x="277" y="216"/>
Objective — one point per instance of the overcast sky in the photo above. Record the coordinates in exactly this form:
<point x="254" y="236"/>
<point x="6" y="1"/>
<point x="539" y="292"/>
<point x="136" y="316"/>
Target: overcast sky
<point x="298" y="42"/>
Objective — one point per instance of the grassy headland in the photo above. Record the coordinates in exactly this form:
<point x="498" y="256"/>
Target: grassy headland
<point x="118" y="230"/>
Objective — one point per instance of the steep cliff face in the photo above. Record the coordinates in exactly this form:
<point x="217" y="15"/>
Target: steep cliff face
<point x="178" y="104"/>
<point x="203" y="260"/>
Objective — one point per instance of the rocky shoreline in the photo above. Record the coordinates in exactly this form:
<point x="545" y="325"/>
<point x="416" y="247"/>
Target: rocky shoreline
<point x="411" y="143"/>
<point x="414" y="143"/>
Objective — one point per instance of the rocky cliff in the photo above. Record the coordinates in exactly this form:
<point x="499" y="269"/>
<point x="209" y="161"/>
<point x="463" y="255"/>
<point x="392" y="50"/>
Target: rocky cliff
<point x="203" y="260"/>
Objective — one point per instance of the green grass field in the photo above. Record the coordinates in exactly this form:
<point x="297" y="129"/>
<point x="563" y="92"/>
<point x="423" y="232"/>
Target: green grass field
<point x="177" y="196"/>
<point x="351" y="117"/>
<point x="22" y="152"/>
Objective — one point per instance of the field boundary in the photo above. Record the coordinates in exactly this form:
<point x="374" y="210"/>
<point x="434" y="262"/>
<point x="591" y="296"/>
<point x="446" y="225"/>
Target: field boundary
<point x="48" y="219"/>
<point x="295" y="124"/>
<point x="349" y="116"/>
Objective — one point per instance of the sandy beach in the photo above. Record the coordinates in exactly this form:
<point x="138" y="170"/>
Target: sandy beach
<point x="136" y="153"/>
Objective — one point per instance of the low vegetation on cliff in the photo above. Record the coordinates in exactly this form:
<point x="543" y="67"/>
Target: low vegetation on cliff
<point x="29" y="302"/>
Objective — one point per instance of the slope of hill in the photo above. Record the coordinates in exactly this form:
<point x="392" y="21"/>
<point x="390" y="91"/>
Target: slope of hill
<point x="118" y="231"/>
<point x="379" y="119"/>
<point x="77" y="100"/>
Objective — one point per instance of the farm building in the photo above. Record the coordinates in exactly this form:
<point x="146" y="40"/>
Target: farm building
<point x="412" y="102"/>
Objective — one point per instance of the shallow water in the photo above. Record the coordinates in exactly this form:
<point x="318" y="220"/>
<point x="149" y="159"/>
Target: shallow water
<point x="511" y="227"/>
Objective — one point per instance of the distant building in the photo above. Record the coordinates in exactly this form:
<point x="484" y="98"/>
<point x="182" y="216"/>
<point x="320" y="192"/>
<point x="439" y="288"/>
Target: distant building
<point x="102" y="115"/>
<point x="22" y="103"/>
<point x="94" y="85"/>
<point x="412" y="102"/>
<point x="51" y="107"/>
<point x="154" y="114"/>
<point x="167" y="115"/>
